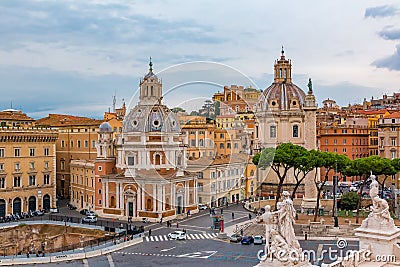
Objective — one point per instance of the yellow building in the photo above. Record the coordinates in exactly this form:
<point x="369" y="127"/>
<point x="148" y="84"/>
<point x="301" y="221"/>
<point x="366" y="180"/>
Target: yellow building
<point x="77" y="140"/>
<point x="27" y="169"/>
<point x="15" y="118"/>
<point x="83" y="184"/>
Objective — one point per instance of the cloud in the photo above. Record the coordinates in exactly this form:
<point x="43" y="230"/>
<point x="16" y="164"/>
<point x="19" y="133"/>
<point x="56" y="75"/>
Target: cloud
<point x="389" y="33"/>
<point x="391" y="62"/>
<point x="381" y="11"/>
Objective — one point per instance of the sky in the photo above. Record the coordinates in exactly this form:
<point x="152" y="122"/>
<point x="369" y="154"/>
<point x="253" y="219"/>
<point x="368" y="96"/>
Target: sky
<point x="72" y="57"/>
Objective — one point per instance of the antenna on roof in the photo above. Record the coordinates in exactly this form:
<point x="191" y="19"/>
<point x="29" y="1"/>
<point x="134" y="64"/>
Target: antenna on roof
<point x="11" y="105"/>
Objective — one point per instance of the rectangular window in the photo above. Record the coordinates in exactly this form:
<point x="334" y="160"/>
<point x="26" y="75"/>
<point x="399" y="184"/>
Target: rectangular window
<point x="334" y="141"/>
<point x="62" y="167"/>
<point x="326" y="141"/>
<point x="93" y="143"/>
<point x="46" y="151"/>
<point x="131" y="161"/>
<point x="221" y="136"/>
<point x="200" y="175"/>
<point x="212" y="174"/>
<point x="31" y="165"/>
<point x="213" y="187"/>
<point x="393" y="141"/>
<point x="295" y="131"/>
<point x="235" y="145"/>
<point x="32" y="179"/>
<point x="62" y="143"/>
<point x="272" y="131"/>
<point x="46" y="179"/>
<point x="2" y="182"/>
<point x="86" y="143"/>
<point x="72" y="143"/>
<point x="17" y="152"/>
<point x="78" y="143"/>
<point x="31" y="152"/>
<point x="46" y="164"/>
<point x="200" y="187"/>
<point x="17" y="181"/>
<point x="1" y="166"/>
<point x="344" y="150"/>
<point x="393" y="154"/>
<point x="16" y="165"/>
<point x="192" y="142"/>
<point x="1" y="152"/>
<point x="344" y="141"/>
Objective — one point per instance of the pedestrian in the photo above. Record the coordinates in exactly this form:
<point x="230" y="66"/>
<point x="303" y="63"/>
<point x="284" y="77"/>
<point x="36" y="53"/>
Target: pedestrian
<point x="177" y="225"/>
<point x="241" y="232"/>
<point x="222" y="211"/>
<point x="161" y="220"/>
<point x="249" y="216"/>
<point x="149" y="232"/>
<point x="233" y="216"/>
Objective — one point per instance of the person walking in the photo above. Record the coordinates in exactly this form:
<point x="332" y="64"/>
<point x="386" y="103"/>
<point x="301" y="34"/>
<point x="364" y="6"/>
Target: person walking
<point x="233" y="216"/>
<point x="177" y="224"/>
<point x="249" y="216"/>
<point x="149" y="232"/>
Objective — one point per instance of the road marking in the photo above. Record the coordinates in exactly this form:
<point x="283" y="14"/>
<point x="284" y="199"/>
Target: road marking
<point x="151" y="238"/>
<point x="198" y="254"/>
<point x="147" y="238"/>
<point x="156" y="238"/>
<point x="110" y="260"/>
<point x="85" y="263"/>
<point x="165" y="237"/>
<point x="161" y="237"/>
<point x="196" y="235"/>
<point x="167" y="249"/>
<point x="188" y="237"/>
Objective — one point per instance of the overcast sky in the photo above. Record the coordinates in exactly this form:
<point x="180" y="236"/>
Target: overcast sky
<point x="72" y="56"/>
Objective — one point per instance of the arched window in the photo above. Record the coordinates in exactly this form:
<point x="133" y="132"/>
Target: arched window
<point x="221" y="145"/>
<point x="295" y="130"/>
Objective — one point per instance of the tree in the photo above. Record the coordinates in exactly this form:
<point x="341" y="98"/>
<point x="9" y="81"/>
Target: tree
<point x="349" y="201"/>
<point x="303" y="164"/>
<point x="328" y="161"/>
<point x="280" y="160"/>
<point x="177" y="109"/>
<point x="384" y="167"/>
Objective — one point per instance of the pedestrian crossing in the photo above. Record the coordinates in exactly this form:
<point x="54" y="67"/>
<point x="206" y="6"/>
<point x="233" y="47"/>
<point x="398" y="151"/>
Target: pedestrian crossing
<point x="160" y="238"/>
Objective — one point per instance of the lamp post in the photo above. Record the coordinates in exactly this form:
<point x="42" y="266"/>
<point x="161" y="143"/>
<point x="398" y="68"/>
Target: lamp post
<point x="335" y="184"/>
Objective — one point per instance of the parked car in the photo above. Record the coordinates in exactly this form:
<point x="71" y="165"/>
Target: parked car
<point x="89" y="219"/>
<point x="202" y="207"/>
<point x="83" y="211"/>
<point x="235" y="238"/>
<point x="54" y="210"/>
<point x="71" y="207"/>
<point x="247" y="240"/>
<point x="38" y="213"/>
<point x="178" y="235"/>
<point x="90" y="213"/>
<point x="258" y="240"/>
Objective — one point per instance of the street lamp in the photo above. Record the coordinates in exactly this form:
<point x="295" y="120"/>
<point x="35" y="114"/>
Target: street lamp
<point x="335" y="184"/>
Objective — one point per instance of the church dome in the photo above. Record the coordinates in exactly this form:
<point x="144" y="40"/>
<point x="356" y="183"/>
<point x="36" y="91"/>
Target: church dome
<point x="157" y="118"/>
<point x="105" y="127"/>
<point x="282" y="94"/>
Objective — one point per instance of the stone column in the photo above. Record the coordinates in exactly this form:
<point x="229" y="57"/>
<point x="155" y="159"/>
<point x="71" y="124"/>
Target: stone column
<point x="143" y="198"/>
<point x="138" y="198"/>
<point x="117" y="194"/>
<point x="106" y="194"/>
<point x="121" y="191"/>
<point x="163" y="197"/>
<point x="154" y="197"/>
<point x="103" y="193"/>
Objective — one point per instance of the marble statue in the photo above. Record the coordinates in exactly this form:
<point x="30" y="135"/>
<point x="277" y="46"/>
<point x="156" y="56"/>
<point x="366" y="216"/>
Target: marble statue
<point x="281" y="242"/>
<point x="379" y="215"/>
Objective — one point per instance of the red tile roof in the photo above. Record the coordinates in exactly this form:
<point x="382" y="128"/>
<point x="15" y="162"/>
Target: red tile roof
<point x="62" y="120"/>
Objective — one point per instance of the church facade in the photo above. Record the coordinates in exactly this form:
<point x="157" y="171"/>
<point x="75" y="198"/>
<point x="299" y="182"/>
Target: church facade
<point x="141" y="173"/>
<point x="286" y="114"/>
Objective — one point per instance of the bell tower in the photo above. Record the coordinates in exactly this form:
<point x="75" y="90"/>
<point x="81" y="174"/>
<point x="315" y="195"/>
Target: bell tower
<point x="150" y="88"/>
<point x="283" y="69"/>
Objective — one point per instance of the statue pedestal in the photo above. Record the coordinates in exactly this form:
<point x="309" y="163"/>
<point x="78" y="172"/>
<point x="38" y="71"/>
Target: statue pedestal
<point x="309" y="203"/>
<point x="377" y="235"/>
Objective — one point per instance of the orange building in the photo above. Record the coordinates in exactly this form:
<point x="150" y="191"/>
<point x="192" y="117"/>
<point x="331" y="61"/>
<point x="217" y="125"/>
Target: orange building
<point x="77" y="141"/>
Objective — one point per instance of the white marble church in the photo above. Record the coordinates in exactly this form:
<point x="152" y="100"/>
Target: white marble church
<point x="142" y="172"/>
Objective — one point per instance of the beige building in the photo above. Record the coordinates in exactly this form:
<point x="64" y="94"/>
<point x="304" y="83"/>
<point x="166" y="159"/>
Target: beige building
<point x="389" y="136"/>
<point x="27" y="169"/>
<point x="222" y="179"/>
<point x="77" y="140"/>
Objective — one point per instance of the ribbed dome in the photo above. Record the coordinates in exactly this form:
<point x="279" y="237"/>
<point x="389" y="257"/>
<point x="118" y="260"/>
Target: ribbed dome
<point x="282" y="96"/>
<point x="156" y="118"/>
<point x="105" y="127"/>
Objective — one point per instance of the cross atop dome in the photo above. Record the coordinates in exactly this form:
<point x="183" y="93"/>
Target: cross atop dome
<point x="151" y="66"/>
